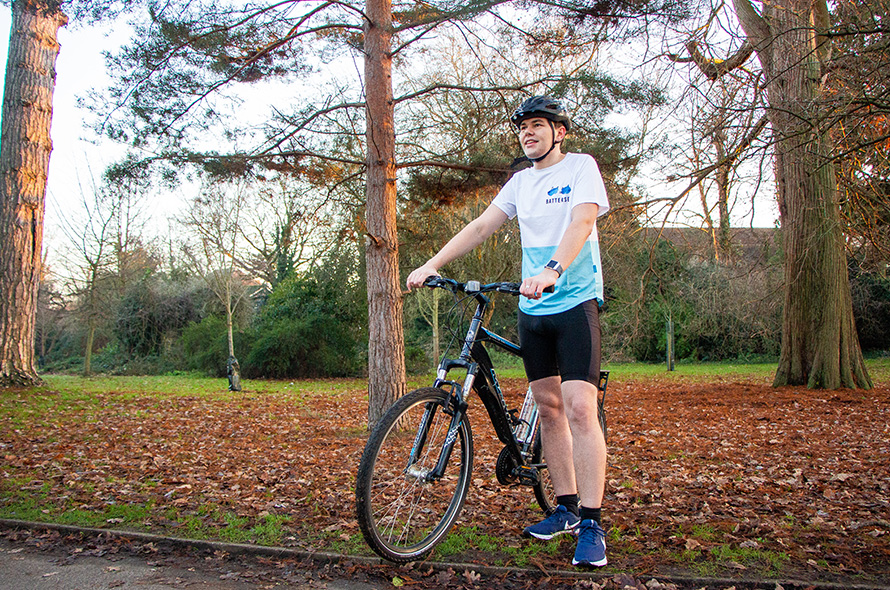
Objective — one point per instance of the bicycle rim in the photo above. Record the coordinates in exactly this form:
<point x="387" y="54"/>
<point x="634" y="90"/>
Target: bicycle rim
<point x="402" y="515"/>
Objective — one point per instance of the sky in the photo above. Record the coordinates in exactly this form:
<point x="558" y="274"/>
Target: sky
<point x="78" y="154"/>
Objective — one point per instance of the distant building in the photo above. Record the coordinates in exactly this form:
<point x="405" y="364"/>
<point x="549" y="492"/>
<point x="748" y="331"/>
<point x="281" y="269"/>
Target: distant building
<point x="750" y="244"/>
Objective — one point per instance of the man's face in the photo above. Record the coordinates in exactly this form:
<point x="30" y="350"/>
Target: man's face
<point x="536" y="136"/>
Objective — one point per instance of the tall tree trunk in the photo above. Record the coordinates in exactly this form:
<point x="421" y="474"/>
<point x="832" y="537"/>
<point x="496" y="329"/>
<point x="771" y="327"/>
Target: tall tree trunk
<point x="820" y="346"/>
<point x="25" y="146"/>
<point x="386" y="346"/>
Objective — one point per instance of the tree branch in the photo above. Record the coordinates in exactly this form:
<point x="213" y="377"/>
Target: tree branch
<point x="713" y="69"/>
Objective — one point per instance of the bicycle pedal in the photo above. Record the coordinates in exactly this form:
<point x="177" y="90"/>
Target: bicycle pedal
<point x="528" y="476"/>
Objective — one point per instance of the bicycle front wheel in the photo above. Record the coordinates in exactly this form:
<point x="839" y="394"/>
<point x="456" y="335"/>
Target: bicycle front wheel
<point x="403" y="513"/>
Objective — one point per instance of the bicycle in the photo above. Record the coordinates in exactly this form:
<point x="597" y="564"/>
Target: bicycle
<point x="414" y="474"/>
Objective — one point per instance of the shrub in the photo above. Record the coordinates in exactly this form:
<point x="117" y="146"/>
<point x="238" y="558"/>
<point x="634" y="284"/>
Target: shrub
<point x="314" y="325"/>
<point x="206" y="347"/>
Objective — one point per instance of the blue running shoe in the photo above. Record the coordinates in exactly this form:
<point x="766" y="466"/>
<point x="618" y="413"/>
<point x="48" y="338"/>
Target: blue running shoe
<point x="591" y="549"/>
<point x="559" y="523"/>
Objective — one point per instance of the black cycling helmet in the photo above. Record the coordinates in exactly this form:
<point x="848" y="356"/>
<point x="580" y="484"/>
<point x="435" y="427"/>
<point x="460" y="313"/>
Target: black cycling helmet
<point x="541" y="106"/>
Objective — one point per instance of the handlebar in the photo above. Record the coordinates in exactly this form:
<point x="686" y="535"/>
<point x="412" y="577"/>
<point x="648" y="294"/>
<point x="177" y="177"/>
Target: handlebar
<point x="474" y="287"/>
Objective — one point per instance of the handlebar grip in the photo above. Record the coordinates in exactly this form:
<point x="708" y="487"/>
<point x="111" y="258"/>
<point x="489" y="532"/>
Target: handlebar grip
<point x="549" y="289"/>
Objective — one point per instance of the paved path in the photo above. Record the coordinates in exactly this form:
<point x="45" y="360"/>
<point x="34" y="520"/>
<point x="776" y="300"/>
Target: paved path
<point x="23" y="567"/>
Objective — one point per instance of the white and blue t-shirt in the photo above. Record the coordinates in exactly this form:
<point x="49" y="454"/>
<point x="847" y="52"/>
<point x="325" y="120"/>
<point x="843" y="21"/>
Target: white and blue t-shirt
<point x="543" y="201"/>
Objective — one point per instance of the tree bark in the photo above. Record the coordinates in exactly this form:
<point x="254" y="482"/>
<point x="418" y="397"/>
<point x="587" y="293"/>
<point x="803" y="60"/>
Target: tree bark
<point x="25" y="147"/>
<point x="820" y="346"/>
<point x="386" y="358"/>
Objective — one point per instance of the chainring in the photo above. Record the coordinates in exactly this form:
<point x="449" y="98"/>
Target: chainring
<point x="504" y="468"/>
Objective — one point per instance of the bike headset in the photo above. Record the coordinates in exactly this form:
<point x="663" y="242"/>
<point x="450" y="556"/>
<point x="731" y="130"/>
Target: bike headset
<point x="542" y="106"/>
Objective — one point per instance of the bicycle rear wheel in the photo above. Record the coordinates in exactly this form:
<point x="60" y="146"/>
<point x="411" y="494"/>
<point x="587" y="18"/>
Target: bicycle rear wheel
<point x="401" y="513"/>
<point x="544" y="492"/>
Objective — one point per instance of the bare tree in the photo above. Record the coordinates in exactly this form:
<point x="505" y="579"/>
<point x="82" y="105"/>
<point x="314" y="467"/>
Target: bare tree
<point x="92" y="239"/>
<point x="792" y="41"/>
<point x="214" y="219"/>
<point x="820" y="347"/>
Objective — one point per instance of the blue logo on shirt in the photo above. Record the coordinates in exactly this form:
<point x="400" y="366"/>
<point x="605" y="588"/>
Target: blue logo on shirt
<point x="563" y="191"/>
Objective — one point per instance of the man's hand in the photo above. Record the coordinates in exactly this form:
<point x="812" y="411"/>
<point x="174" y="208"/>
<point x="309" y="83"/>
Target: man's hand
<point x="533" y="287"/>
<point x="419" y="275"/>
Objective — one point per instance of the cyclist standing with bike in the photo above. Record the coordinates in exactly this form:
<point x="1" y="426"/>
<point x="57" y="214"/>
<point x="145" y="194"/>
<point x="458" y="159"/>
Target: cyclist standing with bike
<point x="557" y="202"/>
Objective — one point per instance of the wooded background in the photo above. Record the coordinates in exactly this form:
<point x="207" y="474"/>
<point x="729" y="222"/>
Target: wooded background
<point x="323" y="149"/>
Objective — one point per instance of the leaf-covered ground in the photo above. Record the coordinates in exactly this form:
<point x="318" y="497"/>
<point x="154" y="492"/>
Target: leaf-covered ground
<point x="724" y="478"/>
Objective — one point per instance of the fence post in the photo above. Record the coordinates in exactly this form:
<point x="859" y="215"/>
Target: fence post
<point x="670" y="344"/>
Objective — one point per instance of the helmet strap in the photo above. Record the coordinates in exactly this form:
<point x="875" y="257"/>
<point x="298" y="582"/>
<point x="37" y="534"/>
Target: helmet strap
<point x="553" y="145"/>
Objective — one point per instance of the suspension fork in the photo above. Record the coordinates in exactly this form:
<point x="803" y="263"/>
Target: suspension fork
<point x="456" y="407"/>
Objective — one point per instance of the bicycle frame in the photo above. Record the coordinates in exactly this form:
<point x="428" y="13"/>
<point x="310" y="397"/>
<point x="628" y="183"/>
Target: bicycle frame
<point x="480" y="377"/>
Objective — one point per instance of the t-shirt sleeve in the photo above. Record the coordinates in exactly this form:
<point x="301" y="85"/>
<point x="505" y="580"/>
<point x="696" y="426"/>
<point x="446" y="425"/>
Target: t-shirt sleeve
<point x="506" y="199"/>
<point x="590" y="186"/>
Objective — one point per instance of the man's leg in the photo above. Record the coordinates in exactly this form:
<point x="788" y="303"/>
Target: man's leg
<point x="588" y="445"/>
<point x="556" y="439"/>
<point x="556" y="434"/>
<point x="589" y="455"/>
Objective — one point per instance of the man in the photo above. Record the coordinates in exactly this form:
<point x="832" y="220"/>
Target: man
<point x="557" y="202"/>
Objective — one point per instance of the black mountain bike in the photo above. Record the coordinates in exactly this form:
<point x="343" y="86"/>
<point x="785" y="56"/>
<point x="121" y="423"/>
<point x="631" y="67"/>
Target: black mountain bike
<point x="415" y="471"/>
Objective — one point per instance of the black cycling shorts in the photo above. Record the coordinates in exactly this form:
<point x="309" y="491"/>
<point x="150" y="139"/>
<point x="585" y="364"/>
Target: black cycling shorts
<point x="565" y="344"/>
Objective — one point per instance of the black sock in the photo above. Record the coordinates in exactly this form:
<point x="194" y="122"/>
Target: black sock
<point x="570" y="501"/>
<point x="594" y="514"/>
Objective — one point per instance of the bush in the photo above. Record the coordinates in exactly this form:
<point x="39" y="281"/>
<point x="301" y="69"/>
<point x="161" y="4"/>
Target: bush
<point x="313" y="326"/>
<point x="205" y="345"/>
<point x="312" y="346"/>
<point x="719" y="311"/>
<point x="871" y="309"/>
<point x="149" y="313"/>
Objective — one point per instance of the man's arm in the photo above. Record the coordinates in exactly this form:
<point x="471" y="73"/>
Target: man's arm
<point x="583" y="219"/>
<point x="473" y="234"/>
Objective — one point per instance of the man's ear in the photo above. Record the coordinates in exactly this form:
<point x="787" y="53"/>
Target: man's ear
<point x="561" y="132"/>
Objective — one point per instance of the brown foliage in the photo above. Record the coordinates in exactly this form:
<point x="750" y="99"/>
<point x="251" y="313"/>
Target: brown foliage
<point x="694" y="468"/>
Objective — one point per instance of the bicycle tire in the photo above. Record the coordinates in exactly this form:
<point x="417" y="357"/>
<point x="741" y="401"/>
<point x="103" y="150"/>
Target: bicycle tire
<point x="401" y="515"/>
<point x="544" y="492"/>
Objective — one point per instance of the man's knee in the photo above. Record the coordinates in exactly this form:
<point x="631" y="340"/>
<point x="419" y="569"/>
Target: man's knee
<point x="580" y="401"/>
<point x="548" y="396"/>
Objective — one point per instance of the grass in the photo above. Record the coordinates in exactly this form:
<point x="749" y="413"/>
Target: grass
<point x="509" y="366"/>
<point x="465" y="540"/>
<point x="769" y="562"/>
<point x="78" y="390"/>
<point x="34" y="506"/>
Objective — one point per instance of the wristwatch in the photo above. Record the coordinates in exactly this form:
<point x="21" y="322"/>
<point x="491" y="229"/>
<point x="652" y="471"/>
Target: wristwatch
<point x="554" y="265"/>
